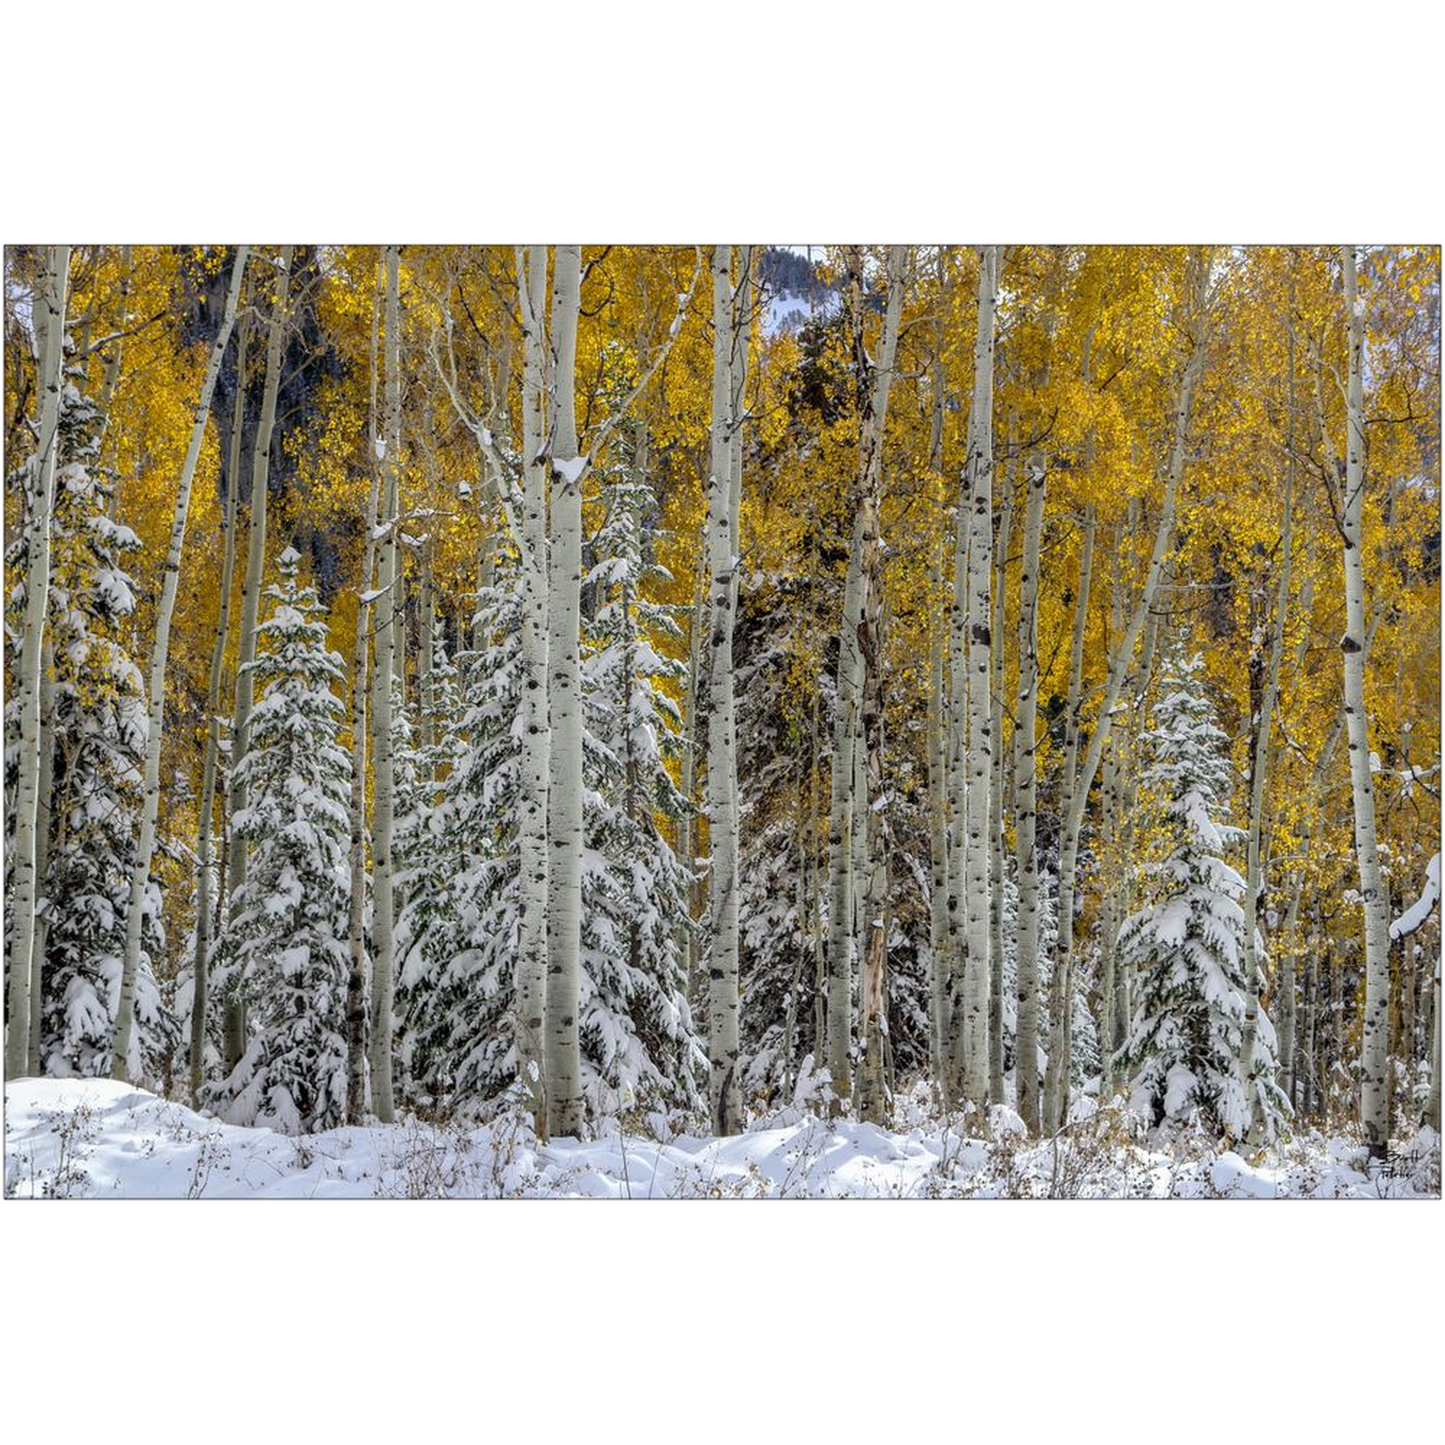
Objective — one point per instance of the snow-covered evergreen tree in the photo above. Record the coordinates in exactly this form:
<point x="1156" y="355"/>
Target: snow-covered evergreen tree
<point x="459" y="934"/>
<point x="99" y="729"/>
<point x="288" y="934"/>
<point x="426" y="847"/>
<point x="1186" y="945"/>
<point x="632" y="937"/>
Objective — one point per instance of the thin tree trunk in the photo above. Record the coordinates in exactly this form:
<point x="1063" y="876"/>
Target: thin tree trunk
<point x="356" y="979"/>
<point x="1026" y="1033"/>
<point x="1250" y="1068"/>
<point x="980" y="707"/>
<point x="49" y="323"/>
<point x="1030" y="1102"/>
<point x="529" y="1020"/>
<point x="201" y="965"/>
<point x="382" y="980"/>
<point x="996" y="807"/>
<point x="156" y="681"/>
<point x="840" y="831"/>
<point x="44" y="823"/>
<point x="687" y="831"/>
<point x="1374" y="1091"/>
<point x="724" y="1086"/>
<point x="564" y="794"/>
<point x="873" y="386"/>
<point x="937" y="845"/>
<point x="235" y="1012"/>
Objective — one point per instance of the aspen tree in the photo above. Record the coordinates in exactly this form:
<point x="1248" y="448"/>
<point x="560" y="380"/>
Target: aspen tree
<point x="1374" y="1090"/>
<point x="235" y="1014"/>
<point x="686" y="831"/>
<point x="937" y="776"/>
<point x="996" y="807"/>
<point x="210" y="766"/>
<point x="530" y="533"/>
<point x="873" y="382"/>
<point x="564" y="792"/>
<point x="1026" y="1053"/>
<point x="724" y="1085"/>
<point x="49" y="321"/>
<point x="980" y="720"/>
<point x="382" y="921"/>
<point x="356" y="976"/>
<point x="43" y="822"/>
<point x="156" y="681"/>
<point x="1259" y="773"/>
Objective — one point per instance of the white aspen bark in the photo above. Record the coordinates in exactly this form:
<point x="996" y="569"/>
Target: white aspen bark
<point x="1026" y="1038"/>
<point x="156" y="680"/>
<point x="1432" y="1104"/>
<point x="1029" y="1105"/>
<point x="815" y="889"/>
<point x="235" y="1013"/>
<point x="201" y="963"/>
<point x="382" y="921"/>
<point x="980" y="709"/>
<point x="873" y="385"/>
<point x="564" y="795"/>
<point x="738" y="379"/>
<point x="937" y="845"/>
<point x="49" y="323"/>
<point x="724" y="1088"/>
<point x="356" y="978"/>
<point x="1374" y="1089"/>
<point x="1109" y="1038"/>
<point x="996" y="807"/>
<point x="1056" y="1084"/>
<point x="687" y="833"/>
<point x="956" y="774"/>
<point x="840" y="832"/>
<point x="529" y="1018"/>
<point x="44" y="820"/>
<point x="937" y="736"/>
<point x="1259" y="773"/>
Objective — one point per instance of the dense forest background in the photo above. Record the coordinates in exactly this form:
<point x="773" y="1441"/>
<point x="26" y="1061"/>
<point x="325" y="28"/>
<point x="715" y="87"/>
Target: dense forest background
<point x="1041" y="591"/>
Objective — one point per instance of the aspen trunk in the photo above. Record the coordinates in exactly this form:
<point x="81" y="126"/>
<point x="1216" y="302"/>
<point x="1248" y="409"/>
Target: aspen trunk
<point x="956" y="735"/>
<point x="686" y="829"/>
<point x="995" y="822"/>
<point x="1253" y="964"/>
<point x="49" y="322"/>
<point x="873" y="385"/>
<point x="44" y="822"/>
<point x="1374" y="1092"/>
<point x="156" y="681"/>
<point x="564" y="794"/>
<point x="356" y="979"/>
<point x="235" y="1012"/>
<point x="980" y="707"/>
<point x="201" y="964"/>
<point x="724" y="1089"/>
<point x="938" y="846"/>
<point x="1026" y="1036"/>
<point x="382" y="981"/>
<point x="529" y="1020"/>
<point x="1070" y="764"/>
<point x="840" y="831"/>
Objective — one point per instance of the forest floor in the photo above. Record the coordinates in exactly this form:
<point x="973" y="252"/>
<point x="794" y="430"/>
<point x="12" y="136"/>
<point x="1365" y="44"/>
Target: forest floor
<point x="95" y="1138"/>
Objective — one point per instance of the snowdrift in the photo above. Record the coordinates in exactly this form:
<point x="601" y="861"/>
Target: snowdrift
<point x="95" y="1138"/>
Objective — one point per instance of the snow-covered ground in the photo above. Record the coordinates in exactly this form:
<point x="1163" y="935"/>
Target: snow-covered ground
<point x="96" y="1138"/>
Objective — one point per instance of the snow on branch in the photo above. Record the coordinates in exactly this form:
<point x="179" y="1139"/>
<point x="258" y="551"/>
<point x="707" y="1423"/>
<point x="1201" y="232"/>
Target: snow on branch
<point x="1414" y="917"/>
